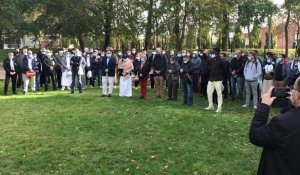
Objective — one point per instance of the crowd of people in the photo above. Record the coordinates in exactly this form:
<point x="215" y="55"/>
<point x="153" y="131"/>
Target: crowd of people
<point x="209" y="73"/>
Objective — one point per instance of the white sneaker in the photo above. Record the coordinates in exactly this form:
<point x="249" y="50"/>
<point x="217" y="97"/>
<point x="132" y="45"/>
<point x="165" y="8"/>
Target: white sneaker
<point x="245" y="106"/>
<point x="209" y="108"/>
<point x="62" y="89"/>
<point x="218" y="110"/>
<point x="255" y="107"/>
<point x="91" y="87"/>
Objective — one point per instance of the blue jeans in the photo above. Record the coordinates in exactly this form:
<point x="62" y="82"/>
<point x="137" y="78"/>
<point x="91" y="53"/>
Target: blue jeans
<point x="74" y="76"/>
<point x="240" y="82"/>
<point x="96" y="74"/>
<point x="37" y="81"/>
<point x="187" y="92"/>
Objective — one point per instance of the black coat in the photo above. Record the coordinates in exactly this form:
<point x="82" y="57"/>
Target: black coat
<point x="6" y="65"/>
<point x="111" y="66"/>
<point x="160" y="64"/>
<point x="279" y="139"/>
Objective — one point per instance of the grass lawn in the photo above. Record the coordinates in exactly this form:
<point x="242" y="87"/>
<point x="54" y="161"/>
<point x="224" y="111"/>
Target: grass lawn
<point x="58" y="133"/>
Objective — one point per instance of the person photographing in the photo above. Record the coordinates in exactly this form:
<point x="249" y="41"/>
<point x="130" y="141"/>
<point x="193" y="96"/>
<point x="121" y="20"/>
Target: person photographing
<point x="280" y="137"/>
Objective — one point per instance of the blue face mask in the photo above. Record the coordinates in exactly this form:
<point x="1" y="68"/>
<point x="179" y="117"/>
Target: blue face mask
<point x="278" y="60"/>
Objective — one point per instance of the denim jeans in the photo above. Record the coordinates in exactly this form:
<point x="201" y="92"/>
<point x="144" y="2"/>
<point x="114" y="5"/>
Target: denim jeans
<point x="76" y="75"/>
<point x="37" y="81"/>
<point x="96" y="74"/>
<point x="187" y="92"/>
<point x="240" y="84"/>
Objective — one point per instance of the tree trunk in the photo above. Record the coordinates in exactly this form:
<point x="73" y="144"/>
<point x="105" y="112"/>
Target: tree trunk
<point x="149" y="26"/>
<point x="81" y="42"/>
<point x="270" y="33"/>
<point x="286" y="30"/>
<point x="183" y="26"/>
<point x="225" y="31"/>
<point x="108" y="21"/>
<point x="249" y="36"/>
<point x="1" y="39"/>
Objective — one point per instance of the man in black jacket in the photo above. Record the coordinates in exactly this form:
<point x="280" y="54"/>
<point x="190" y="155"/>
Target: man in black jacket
<point x="217" y="71"/>
<point x="75" y="63"/>
<point x="10" y="66"/>
<point x="96" y="68"/>
<point x="279" y="138"/>
<point x="159" y="67"/>
<point x="237" y="65"/>
<point x="49" y="71"/>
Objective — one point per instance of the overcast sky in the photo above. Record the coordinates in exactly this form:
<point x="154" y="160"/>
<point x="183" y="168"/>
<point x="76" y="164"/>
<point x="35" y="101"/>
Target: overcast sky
<point x="278" y="2"/>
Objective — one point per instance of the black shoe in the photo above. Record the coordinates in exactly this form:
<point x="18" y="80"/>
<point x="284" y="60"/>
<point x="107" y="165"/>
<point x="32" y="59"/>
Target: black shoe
<point x="24" y="93"/>
<point x="72" y="92"/>
<point x="80" y="92"/>
<point x="109" y="95"/>
<point x="142" y="97"/>
<point x="103" y="95"/>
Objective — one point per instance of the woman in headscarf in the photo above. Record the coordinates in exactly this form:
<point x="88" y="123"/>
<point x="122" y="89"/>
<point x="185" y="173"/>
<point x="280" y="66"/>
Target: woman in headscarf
<point x="125" y="78"/>
<point x="143" y="70"/>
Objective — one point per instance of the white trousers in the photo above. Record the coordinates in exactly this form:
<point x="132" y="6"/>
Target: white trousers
<point x="26" y="82"/>
<point x="110" y="81"/>
<point x="125" y="87"/>
<point x="211" y="87"/>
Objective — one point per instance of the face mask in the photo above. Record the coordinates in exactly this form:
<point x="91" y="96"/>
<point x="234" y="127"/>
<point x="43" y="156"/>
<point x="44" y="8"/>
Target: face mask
<point x="268" y="61"/>
<point x="185" y="62"/>
<point x="11" y="57"/>
<point x="119" y="54"/>
<point x="48" y="55"/>
<point x="201" y="54"/>
<point x="194" y="55"/>
<point x="172" y="53"/>
<point x="179" y="55"/>
<point x="278" y="60"/>
<point x="25" y="53"/>
<point x="128" y="53"/>
<point x="184" y="54"/>
<point x="164" y="53"/>
<point x="143" y="59"/>
<point x="133" y="51"/>
<point x="213" y="56"/>
<point x="30" y="56"/>
<point x="171" y="62"/>
<point x="44" y="53"/>
<point x="249" y="58"/>
<point x="108" y="55"/>
<point x="153" y="53"/>
<point x="137" y="58"/>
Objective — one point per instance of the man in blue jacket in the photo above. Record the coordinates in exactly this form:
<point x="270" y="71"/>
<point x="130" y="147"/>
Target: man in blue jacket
<point x="29" y="66"/>
<point x="109" y="64"/>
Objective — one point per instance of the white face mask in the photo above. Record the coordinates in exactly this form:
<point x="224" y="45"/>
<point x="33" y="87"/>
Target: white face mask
<point x="172" y="62"/>
<point x="143" y="59"/>
<point x="108" y="55"/>
<point x="119" y="54"/>
<point x="137" y="58"/>
<point x="11" y="57"/>
<point x="185" y="62"/>
<point x="49" y="55"/>
<point x="183" y="54"/>
<point x="213" y="56"/>
<point x="30" y="56"/>
<point x="133" y="51"/>
<point x="25" y="53"/>
<point x="249" y="58"/>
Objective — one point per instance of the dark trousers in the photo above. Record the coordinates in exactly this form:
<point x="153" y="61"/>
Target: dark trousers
<point x="50" y="76"/>
<point x="187" y="92"/>
<point x="152" y="81"/>
<point x="173" y="89"/>
<point x="196" y="82"/>
<point x="75" y="75"/>
<point x="19" y="79"/>
<point x="37" y="81"/>
<point x="58" y="74"/>
<point x="203" y="85"/>
<point x="6" y="83"/>
<point x="96" y="74"/>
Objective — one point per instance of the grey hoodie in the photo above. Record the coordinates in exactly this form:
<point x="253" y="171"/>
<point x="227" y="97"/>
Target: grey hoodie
<point x="252" y="70"/>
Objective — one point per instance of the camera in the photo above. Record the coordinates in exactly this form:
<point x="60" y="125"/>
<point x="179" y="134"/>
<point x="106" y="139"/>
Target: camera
<point x="281" y="95"/>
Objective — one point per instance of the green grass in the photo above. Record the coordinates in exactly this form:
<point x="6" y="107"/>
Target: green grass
<point x="58" y="133"/>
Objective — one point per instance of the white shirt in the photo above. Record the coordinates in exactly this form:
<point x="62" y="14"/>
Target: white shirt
<point x="11" y="62"/>
<point x="30" y="63"/>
